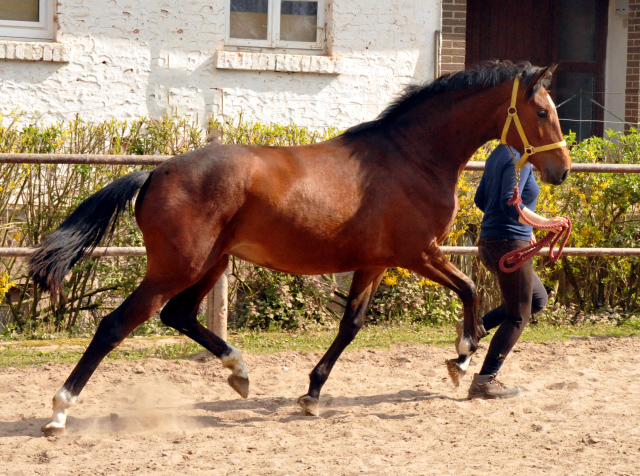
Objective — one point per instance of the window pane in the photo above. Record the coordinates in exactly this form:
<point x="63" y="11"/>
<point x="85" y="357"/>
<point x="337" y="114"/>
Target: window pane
<point x="299" y="21"/>
<point x="249" y="19"/>
<point x="577" y="30"/>
<point x="19" y="10"/>
<point x="577" y="113"/>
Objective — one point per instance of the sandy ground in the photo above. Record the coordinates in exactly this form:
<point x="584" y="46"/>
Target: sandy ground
<point x="382" y="412"/>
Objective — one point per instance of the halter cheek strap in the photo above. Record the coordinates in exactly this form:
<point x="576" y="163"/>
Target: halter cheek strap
<point x="512" y="115"/>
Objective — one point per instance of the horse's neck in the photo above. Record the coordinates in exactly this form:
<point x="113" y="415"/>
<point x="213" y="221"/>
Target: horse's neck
<point x="455" y="127"/>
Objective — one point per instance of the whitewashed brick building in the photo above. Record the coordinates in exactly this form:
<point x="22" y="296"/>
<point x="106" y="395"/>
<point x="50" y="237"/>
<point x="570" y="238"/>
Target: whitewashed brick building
<point x="316" y="63"/>
<point x="131" y="58"/>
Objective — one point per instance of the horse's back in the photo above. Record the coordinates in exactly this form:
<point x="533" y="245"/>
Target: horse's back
<point x="305" y="210"/>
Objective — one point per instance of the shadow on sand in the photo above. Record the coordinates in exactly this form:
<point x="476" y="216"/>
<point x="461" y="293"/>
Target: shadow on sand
<point x="232" y="413"/>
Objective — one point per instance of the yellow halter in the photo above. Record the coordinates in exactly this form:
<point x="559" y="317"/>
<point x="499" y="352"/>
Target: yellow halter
<point x="512" y="114"/>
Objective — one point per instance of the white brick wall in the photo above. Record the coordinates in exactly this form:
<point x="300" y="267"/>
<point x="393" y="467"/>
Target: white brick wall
<point x="131" y="58"/>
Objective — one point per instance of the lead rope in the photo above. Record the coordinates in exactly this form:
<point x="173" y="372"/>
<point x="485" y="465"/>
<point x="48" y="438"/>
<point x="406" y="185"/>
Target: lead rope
<point x="514" y="259"/>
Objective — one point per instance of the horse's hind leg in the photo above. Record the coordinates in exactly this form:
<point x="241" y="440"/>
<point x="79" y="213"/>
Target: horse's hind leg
<point x="135" y="310"/>
<point x="181" y="314"/>
<point x="364" y="285"/>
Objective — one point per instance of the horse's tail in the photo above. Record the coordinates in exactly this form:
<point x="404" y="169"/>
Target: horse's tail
<point x="82" y="231"/>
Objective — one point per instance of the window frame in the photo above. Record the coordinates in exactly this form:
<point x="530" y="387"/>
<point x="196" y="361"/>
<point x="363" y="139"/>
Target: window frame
<point x="42" y="30"/>
<point x="273" y="30"/>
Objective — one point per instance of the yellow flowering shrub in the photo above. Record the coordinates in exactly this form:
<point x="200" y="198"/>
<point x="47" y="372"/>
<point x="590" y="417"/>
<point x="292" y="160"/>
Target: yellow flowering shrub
<point x="403" y="295"/>
<point x="5" y="283"/>
<point x="605" y="211"/>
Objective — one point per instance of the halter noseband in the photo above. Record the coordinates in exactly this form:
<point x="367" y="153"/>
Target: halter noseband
<point x="512" y="114"/>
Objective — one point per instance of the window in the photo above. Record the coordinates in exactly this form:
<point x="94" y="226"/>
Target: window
<point x="26" y="19"/>
<point x="276" y="23"/>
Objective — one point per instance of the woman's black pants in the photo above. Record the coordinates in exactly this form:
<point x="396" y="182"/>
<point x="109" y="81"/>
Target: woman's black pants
<point x="522" y="296"/>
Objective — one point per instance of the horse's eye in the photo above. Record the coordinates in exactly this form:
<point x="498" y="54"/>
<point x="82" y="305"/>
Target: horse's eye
<point x="543" y="114"/>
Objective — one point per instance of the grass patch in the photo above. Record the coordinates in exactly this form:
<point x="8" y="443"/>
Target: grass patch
<point x="69" y="350"/>
<point x="547" y="333"/>
<point x="33" y="352"/>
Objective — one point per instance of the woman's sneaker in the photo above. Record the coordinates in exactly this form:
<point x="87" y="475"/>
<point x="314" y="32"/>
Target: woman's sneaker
<point x="488" y="387"/>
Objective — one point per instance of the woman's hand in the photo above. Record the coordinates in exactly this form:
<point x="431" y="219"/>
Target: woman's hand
<point x="532" y="240"/>
<point x="558" y="223"/>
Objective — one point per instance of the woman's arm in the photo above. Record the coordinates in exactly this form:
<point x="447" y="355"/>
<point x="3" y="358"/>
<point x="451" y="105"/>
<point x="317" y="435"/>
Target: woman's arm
<point x="479" y="197"/>
<point x="558" y="222"/>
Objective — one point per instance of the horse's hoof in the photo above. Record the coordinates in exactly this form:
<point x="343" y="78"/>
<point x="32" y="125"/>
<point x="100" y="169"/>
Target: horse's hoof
<point x="239" y="384"/>
<point x="455" y="372"/>
<point x="52" y="429"/>
<point x="310" y="405"/>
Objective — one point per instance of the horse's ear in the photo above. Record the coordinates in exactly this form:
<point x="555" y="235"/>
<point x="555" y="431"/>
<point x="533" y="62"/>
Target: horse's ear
<point x="540" y="79"/>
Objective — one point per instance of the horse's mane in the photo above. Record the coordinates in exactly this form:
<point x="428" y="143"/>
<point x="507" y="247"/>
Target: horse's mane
<point x="486" y="76"/>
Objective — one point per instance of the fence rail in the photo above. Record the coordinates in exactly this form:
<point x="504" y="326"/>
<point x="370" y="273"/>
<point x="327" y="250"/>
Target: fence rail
<point x="447" y="250"/>
<point x="100" y="251"/>
<point x="473" y="250"/>
<point x="96" y="159"/>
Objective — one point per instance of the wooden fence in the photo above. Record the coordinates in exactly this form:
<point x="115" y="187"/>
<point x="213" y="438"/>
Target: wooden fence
<point x="217" y="306"/>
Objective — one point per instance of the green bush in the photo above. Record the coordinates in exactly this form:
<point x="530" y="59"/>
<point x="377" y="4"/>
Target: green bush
<point x="35" y="198"/>
<point x="264" y="299"/>
<point x="605" y="210"/>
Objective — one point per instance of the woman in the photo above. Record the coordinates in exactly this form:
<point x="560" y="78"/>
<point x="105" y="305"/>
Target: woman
<point x="502" y="231"/>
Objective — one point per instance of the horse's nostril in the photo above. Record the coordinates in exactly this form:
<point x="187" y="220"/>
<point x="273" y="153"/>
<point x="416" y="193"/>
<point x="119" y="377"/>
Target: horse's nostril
<point x="564" y="175"/>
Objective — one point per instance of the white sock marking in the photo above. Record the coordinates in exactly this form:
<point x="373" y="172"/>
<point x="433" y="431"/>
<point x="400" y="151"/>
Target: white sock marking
<point x="464" y="347"/>
<point x="464" y="365"/>
<point x="234" y="362"/>
<point x="61" y="401"/>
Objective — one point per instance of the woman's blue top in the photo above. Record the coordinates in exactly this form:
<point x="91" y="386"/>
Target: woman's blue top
<point x="496" y="188"/>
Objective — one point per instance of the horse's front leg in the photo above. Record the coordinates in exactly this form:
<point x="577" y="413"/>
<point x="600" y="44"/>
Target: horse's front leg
<point x="363" y="287"/>
<point x="436" y="267"/>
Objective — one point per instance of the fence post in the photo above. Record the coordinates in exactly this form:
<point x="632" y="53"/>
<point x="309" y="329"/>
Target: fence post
<point x="217" y="306"/>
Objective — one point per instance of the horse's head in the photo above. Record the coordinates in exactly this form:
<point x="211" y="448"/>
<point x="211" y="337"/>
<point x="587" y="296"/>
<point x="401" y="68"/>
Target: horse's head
<point x="539" y="137"/>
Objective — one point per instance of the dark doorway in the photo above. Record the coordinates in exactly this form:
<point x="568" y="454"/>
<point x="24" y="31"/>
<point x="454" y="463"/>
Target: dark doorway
<point x="572" y="33"/>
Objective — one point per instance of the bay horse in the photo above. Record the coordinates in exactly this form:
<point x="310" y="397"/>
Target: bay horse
<point x="381" y="195"/>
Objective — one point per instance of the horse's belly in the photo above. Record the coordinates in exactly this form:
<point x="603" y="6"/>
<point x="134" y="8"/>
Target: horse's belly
<point x="253" y="253"/>
<point x="294" y="260"/>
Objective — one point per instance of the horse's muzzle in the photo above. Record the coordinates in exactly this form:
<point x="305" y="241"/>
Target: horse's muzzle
<point x="555" y="178"/>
